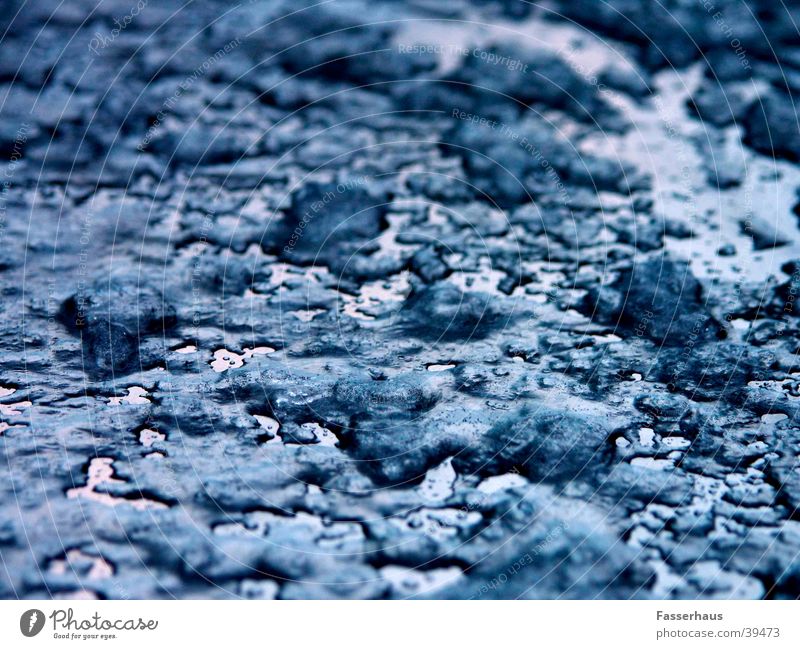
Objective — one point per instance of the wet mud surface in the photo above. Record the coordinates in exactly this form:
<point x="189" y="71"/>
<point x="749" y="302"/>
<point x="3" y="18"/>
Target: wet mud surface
<point x="400" y="299"/>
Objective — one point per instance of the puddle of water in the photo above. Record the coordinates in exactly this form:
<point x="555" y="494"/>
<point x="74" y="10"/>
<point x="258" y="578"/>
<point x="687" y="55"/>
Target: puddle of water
<point x="787" y="387"/>
<point x="484" y="280"/>
<point x="438" y="482"/>
<point x="10" y="409"/>
<point x="338" y="537"/>
<point x="668" y="144"/>
<point x="710" y="576"/>
<point x="4" y="426"/>
<point x="226" y="360"/>
<point x="78" y="561"/>
<point x="101" y="472"/>
<point x="407" y="582"/>
<point x="148" y="437"/>
<point x="434" y="367"/>
<point x="667" y="580"/>
<point x="440" y="524"/>
<point x="4" y="391"/>
<point x="654" y="463"/>
<point x="323" y="436"/>
<point x="258" y="589"/>
<point x="373" y="297"/>
<point x="135" y="397"/>
<point x="676" y="442"/>
<point x="307" y="315"/>
<point x="646" y="436"/>
<point x="387" y="240"/>
<point x="270" y="425"/>
<point x="281" y="273"/>
<point x="497" y="483"/>
<point x="610" y="338"/>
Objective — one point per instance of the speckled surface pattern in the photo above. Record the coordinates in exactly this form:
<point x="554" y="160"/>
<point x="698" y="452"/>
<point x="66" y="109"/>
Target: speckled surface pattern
<point x="348" y="299"/>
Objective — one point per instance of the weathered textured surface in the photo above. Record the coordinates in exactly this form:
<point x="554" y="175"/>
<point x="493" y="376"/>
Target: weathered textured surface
<point x="295" y="308"/>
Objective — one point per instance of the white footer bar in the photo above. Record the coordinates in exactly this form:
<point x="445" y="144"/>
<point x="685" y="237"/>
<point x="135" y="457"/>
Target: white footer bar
<point x="390" y="625"/>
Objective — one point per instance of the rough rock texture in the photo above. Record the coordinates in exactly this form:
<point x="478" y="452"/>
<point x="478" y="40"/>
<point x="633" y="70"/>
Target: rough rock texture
<point x="400" y="299"/>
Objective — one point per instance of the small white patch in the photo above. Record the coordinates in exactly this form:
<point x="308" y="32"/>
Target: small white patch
<point x="676" y="442"/>
<point x="646" y="436"/>
<point x="653" y="463"/>
<point x="258" y="589"/>
<point x="501" y="482"/>
<point x="98" y="567"/>
<point x="257" y="351"/>
<point x="323" y="436"/>
<point x="308" y="315"/>
<point x="439" y="524"/>
<point x="147" y="437"/>
<point x="4" y="391"/>
<point x="407" y="582"/>
<point x="268" y="424"/>
<point x="667" y="579"/>
<point x="312" y="530"/>
<point x="135" y="397"/>
<point x="101" y="472"/>
<point x="9" y="409"/>
<point x="483" y="280"/>
<point x="440" y="368"/>
<point x="438" y="482"/>
<point x="373" y="297"/>
<point x="227" y="360"/>
<point x="271" y="426"/>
